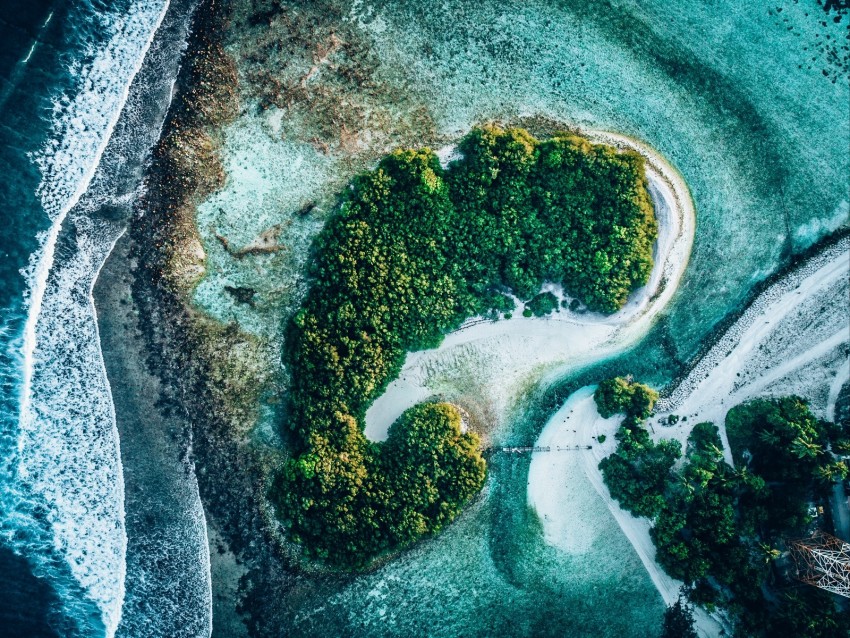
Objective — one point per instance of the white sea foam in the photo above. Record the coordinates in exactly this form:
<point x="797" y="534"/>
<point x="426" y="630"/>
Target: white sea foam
<point x="68" y="443"/>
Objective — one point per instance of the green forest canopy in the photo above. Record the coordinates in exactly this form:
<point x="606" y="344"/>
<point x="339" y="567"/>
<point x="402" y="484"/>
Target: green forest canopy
<point x="718" y="528"/>
<point x="412" y="252"/>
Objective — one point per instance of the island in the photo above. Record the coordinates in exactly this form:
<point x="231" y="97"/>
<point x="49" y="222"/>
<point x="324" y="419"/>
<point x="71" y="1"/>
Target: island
<point x="415" y="250"/>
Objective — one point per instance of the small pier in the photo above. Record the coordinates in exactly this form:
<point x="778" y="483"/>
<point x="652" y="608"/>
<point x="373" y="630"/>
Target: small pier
<point x="547" y="448"/>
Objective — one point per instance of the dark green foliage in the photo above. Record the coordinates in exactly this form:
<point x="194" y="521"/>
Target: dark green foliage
<point x="782" y="442"/>
<point x="638" y="473"/>
<point x="718" y="529"/>
<point x="497" y="303"/>
<point x="413" y="251"/>
<point x="432" y="469"/>
<point x="810" y="613"/>
<point x="622" y="395"/>
<point x="786" y="442"/>
<point x="561" y="210"/>
<point x="679" y="621"/>
<point x="542" y="304"/>
<point x="599" y="198"/>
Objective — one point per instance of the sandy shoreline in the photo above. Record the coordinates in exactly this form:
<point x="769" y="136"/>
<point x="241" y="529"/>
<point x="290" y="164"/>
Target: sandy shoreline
<point x="796" y="326"/>
<point x="509" y="353"/>
<point x="555" y="500"/>
<point x="731" y="372"/>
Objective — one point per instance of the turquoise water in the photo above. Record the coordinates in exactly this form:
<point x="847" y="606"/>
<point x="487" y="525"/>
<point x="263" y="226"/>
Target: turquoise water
<point x="749" y="101"/>
<point x="729" y="93"/>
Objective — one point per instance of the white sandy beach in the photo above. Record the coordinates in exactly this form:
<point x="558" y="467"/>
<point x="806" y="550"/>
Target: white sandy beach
<point x="794" y="332"/>
<point x="500" y="358"/>
<point x="559" y="504"/>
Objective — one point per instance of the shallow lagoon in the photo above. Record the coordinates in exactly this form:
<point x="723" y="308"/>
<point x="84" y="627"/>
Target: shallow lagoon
<point x="741" y="99"/>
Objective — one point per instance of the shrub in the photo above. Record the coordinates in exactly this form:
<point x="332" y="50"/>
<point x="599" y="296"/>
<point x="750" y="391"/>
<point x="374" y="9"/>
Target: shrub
<point x="542" y="304"/>
<point x="619" y="395"/>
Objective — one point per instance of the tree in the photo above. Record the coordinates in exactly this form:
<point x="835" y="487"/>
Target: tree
<point x="679" y="621"/>
<point x="620" y="394"/>
<point x="719" y="529"/>
<point x="612" y="396"/>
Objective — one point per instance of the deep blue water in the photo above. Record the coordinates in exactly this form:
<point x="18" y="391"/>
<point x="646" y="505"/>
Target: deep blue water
<point x="65" y="69"/>
<point x="40" y="38"/>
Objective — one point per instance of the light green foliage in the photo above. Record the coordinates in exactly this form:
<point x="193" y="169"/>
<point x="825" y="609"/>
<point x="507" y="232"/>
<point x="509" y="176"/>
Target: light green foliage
<point x="622" y="395"/>
<point x="413" y="251"/>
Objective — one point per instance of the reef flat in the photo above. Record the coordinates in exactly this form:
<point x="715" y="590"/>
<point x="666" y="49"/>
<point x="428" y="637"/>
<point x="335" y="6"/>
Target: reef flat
<point x="279" y="106"/>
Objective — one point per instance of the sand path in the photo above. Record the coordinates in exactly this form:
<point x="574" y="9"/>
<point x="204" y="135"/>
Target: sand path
<point x="706" y="394"/>
<point x="736" y="369"/>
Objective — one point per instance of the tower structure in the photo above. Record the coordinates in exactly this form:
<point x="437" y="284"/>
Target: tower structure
<point x="823" y="560"/>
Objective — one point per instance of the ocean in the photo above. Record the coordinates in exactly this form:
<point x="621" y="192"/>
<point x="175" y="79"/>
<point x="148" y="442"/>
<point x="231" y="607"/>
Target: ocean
<point x="84" y="88"/>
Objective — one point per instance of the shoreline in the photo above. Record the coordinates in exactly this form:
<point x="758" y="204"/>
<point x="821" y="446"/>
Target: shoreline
<point x="69" y="448"/>
<point x="188" y="353"/>
<point x="549" y="495"/>
<point x="59" y="199"/>
<point x="735" y="370"/>
<point x="563" y="340"/>
<point x="783" y="300"/>
<point x="715" y="334"/>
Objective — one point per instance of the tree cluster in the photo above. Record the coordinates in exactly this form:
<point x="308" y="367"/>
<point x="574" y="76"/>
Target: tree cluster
<point x="679" y="620"/>
<point x="413" y="251"/>
<point x="638" y="473"/>
<point x="623" y="395"/>
<point x="717" y="528"/>
<point x="542" y="304"/>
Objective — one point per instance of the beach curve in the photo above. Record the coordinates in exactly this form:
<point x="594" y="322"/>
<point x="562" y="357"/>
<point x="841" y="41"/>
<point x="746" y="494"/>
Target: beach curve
<point x="506" y="355"/>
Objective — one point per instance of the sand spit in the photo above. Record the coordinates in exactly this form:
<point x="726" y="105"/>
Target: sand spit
<point x="792" y="336"/>
<point x="499" y="358"/>
<point x="558" y="504"/>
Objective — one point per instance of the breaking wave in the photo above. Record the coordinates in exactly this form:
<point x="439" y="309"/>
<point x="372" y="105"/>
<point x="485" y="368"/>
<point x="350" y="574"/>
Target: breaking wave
<point x="65" y="503"/>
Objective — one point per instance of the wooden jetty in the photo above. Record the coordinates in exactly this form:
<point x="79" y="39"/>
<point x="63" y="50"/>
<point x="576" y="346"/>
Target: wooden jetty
<point x="547" y="448"/>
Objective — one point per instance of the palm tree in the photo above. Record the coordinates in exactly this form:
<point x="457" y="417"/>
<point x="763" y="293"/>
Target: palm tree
<point x="804" y="448"/>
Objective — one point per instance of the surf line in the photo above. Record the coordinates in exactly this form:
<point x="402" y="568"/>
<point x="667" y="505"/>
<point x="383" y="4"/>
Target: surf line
<point x="43" y="259"/>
